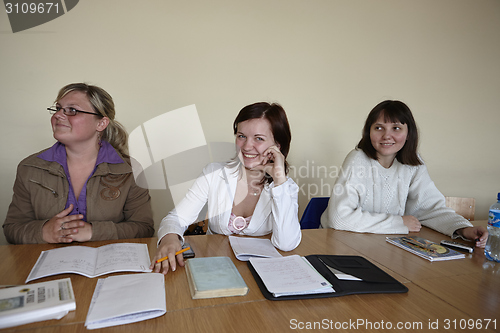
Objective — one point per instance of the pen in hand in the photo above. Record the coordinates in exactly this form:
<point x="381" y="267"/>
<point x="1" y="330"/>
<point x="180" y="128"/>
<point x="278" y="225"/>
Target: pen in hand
<point x="176" y="253"/>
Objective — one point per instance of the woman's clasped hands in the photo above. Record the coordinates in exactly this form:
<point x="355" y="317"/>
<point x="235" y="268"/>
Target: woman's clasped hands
<point x="64" y="228"/>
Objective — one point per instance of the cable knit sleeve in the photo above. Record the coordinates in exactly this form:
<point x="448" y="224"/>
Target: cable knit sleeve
<point x="428" y="205"/>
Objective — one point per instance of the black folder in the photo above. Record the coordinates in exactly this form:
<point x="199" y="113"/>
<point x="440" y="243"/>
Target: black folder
<point x="374" y="280"/>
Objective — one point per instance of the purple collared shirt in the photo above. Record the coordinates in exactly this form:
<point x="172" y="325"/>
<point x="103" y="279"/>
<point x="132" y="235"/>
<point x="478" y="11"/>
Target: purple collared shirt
<point x="57" y="153"/>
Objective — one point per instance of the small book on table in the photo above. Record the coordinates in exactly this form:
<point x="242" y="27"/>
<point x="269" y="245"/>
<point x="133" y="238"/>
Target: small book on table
<point x="214" y="277"/>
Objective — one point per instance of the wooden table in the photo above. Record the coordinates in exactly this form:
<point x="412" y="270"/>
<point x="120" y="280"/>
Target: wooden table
<point x="451" y="296"/>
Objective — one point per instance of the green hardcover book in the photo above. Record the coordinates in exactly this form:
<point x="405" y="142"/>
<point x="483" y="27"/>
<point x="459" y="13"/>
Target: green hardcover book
<point x="214" y="277"/>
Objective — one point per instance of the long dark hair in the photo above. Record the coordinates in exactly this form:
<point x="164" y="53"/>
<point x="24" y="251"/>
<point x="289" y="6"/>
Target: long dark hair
<point x="275" y="114"/>
<point x="394" y="111"/>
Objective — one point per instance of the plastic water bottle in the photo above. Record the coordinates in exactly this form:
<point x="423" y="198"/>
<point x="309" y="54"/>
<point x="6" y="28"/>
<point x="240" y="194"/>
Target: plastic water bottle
<point x="492" y="249"/>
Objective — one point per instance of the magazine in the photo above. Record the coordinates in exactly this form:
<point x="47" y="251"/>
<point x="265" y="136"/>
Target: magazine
<point x="425" y="248"/>
<point x="30" y="303"/>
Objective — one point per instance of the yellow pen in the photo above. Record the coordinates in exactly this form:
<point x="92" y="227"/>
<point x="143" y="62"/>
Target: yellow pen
<point x="176" y="253"/>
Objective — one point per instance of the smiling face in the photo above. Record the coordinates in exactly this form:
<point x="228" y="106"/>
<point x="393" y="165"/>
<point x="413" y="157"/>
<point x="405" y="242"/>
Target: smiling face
<point x="80" y="128"/>
<point x="387" y="138"/>
<point x="253" y="137"/>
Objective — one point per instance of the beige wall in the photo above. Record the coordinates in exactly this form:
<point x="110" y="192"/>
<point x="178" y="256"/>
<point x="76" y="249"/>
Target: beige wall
<point x="328" y="62"/>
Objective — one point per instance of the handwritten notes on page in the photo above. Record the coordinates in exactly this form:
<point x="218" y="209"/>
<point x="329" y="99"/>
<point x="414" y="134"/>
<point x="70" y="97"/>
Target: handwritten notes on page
<point x="291" y="275"/>
<point x="92" y="262"/>
<point x="245" y="248"/>
<point x="117" y="257"/>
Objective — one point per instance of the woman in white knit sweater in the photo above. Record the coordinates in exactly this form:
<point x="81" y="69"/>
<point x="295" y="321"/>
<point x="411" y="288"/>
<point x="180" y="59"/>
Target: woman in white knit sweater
<point x="384" y="186"/>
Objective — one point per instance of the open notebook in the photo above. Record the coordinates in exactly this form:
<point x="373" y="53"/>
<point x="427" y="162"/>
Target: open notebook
<point x="92" y="261"/>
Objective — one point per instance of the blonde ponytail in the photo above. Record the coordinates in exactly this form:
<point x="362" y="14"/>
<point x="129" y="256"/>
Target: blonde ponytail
<point x="103" y="104"/>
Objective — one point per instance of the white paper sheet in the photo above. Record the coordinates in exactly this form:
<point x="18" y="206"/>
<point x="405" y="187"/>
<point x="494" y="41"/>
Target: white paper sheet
<point x="291" y="275"/>
<point x="245" y="248"/>
<point x="124" y="299"/>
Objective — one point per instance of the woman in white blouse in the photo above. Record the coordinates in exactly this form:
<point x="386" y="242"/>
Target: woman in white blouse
<point x="251" y="195"/>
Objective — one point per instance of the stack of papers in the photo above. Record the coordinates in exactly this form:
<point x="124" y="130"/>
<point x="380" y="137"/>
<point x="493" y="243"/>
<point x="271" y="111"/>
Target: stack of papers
<point x="125" y="299"/>
<point x="291" y="275"/>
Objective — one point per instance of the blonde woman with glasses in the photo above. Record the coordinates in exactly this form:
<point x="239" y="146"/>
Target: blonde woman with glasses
<point x="82" y="188"/>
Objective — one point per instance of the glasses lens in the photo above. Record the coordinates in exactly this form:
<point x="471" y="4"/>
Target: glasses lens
<point x="70" y="111"/>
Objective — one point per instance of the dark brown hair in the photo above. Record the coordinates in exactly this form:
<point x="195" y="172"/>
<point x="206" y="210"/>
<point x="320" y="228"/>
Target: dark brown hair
<point x="275" y="114"/>
<point x="394" y="111"/>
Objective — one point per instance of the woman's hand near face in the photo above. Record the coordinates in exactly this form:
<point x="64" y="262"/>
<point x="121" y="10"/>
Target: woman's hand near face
<point x="169" y="245"/>
<point x="412" y="223"/>
<point x="273" y="164"/>
<point x="64" y="228"/>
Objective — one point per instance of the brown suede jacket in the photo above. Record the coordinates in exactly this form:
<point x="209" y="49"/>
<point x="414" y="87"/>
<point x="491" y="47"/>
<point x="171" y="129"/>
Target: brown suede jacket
<point x="116" y="207"/>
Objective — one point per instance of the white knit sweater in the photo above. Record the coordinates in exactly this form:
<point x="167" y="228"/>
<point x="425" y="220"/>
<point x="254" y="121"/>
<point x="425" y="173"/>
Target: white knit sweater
<point x="370" y="198"/>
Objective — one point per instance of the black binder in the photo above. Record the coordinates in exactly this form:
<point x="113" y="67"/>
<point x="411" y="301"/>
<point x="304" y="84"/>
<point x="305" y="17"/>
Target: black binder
<point x="374" y="279"/>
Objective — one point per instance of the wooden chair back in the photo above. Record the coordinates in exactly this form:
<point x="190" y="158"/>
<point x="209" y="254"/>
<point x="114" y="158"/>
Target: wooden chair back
<point x="462" y="206"/>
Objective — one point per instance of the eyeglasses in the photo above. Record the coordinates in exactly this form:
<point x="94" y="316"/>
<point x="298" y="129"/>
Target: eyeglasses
<point x="68" y="111"/>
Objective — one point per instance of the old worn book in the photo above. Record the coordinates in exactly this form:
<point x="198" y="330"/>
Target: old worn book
<point x="36" y="302"/>
<point x="92" y="261"/>
<point x="214" y="277"/>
